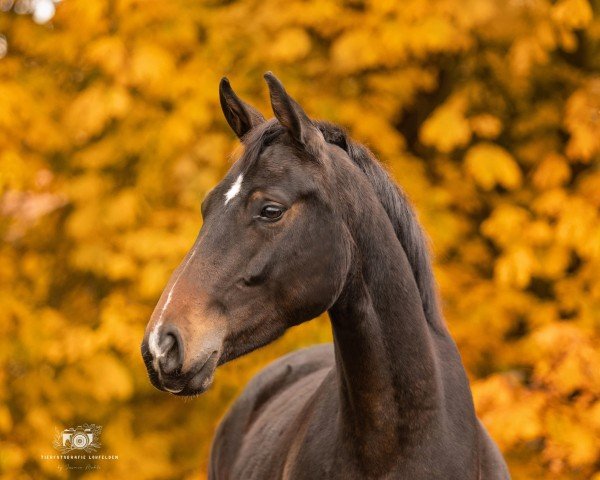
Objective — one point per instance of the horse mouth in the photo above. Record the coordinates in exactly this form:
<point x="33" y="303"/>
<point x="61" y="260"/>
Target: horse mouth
<point x="195" y="382"/>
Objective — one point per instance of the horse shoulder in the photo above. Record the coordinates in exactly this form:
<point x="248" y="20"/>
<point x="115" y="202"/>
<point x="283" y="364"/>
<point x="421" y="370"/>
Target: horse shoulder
<point x="258" y="395"/>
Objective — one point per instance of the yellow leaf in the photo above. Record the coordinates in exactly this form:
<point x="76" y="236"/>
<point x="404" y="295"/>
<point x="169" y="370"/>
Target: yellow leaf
<point x="491" y="165"/>
<point x="486" y="125"/>
<point x="582" y="120"/>
<point x="506" y="224"/>
<point x="572" y="13"/>
<point x="290" y="45"/>
<point x="515" y="267"/>
<point x="447" y="128"/>
<point x="554" y="171"/>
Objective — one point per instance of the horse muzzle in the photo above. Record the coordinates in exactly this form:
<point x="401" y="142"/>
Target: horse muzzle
<point x="164" y="354"/>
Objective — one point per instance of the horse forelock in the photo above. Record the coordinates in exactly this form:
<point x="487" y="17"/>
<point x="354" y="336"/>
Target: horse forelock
<point x="257" y="139"/>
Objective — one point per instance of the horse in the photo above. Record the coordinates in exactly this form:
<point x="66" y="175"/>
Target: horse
<point x="307" y="221"/>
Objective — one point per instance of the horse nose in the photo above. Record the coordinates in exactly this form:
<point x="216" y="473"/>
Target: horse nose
<point x="170" y="350"/>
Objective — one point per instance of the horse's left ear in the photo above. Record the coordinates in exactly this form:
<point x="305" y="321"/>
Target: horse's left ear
<point x="291" y="115"/>
<point x="240" y="116"/>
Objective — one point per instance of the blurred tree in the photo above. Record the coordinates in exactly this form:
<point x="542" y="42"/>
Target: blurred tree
<point x="486" y="111"/>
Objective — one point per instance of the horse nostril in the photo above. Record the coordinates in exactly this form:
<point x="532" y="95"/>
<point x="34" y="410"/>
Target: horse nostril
<point x="171" y="348"/>
<point x="167" y="342"/>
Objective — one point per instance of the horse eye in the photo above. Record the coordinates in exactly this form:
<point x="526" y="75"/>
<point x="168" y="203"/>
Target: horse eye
<point x="271" y="212"/>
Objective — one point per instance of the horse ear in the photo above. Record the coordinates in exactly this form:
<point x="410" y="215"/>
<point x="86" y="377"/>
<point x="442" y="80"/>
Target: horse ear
<point x="291" y="115"/>
<point x="240" y="116"/>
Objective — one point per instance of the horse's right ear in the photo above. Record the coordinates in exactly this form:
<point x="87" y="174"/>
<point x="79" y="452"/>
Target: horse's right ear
<point x="240" y="116"/>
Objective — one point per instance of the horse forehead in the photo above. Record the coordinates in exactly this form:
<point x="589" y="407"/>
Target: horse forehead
<point x="277" y="164"/>
<point x="276" y="158"/>
<point x="281" y="162"/>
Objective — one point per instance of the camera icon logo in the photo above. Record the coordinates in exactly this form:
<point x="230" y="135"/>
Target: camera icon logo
<point x="83" y="437"/>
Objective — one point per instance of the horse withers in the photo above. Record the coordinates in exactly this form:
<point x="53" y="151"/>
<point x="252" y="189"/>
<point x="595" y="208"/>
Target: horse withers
<point x="307" y="221"/>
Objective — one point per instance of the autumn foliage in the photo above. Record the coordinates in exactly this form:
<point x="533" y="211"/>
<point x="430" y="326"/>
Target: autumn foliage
<point x="486" y="111"/>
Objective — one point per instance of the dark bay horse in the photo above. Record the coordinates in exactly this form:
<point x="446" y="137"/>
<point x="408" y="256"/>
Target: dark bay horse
<point x="307" y="221"/>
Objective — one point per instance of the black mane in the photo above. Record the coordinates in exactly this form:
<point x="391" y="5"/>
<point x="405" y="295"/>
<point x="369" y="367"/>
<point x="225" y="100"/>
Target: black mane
<point x="401" y="214"/>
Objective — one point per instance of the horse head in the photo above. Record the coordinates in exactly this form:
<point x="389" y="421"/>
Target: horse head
<point x="273" y="250"/>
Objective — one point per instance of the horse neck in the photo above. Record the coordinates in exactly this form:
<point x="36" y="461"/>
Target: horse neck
<point x="387" y="357"/>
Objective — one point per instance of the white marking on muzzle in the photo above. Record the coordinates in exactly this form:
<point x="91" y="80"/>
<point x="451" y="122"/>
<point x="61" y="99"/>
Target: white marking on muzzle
<point x="153" y="338"/>
<point x="234" y="189"/>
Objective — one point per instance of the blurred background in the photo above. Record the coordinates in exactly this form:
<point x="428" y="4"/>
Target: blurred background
<point x="487" y="112"/>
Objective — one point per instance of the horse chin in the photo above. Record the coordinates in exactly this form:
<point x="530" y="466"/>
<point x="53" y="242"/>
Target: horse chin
<point x="196" y="386"/>
<point x="199" y="382"/>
